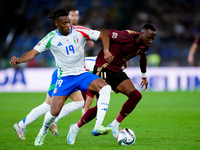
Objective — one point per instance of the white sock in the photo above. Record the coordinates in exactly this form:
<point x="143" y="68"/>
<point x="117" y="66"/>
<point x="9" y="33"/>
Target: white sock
<point x="48" y="120"/>
<point x="69" y="108"/>
<point x="115" y="123"/>
<point x="102" y="104"/>
<point x="75" y="127"/>
<point x="34" y="114"/>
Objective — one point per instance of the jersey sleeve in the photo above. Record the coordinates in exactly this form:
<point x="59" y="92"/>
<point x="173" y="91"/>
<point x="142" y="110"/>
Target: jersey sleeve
<point x="87" y="33"/>
<point x="121" y="36"/>
<point x="45" y="43"/>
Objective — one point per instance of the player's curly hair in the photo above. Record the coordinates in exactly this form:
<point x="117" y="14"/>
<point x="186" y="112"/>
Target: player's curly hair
<point x="148" y="26"/>
<point x="56" y="14"/>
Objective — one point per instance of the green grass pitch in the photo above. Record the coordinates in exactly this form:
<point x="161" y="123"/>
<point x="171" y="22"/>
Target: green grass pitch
<point x="161" y="121"/>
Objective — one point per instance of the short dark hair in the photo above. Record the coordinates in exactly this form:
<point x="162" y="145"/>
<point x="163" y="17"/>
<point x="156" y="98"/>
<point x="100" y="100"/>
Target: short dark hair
<point x="56" y="14"/>
<point x="148" y="26"/>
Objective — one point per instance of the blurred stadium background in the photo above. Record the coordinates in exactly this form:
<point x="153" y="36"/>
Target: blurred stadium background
<point x="24" y="23"/>
<point x="162" y="120"/>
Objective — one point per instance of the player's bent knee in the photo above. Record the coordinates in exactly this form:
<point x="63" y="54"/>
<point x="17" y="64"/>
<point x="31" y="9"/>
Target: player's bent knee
<point x="136" y="93"/>
<point x="55" y="112"/>
<point x="135" y="96"/>
<point x="139" y="94"/>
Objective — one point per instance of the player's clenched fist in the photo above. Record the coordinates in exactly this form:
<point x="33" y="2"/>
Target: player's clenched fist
<point x="14" y="60"/>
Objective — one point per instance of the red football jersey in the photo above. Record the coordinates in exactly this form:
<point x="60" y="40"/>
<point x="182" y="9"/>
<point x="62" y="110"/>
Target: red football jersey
<point x="123" y="47"/>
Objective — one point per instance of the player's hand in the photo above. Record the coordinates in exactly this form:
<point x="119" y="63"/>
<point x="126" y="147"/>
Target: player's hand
<point x="14" y="61"/>
<point x="108" y="56"/>
<point x="144" y="83"/>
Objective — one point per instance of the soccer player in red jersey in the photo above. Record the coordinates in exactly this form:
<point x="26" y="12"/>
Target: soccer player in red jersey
<point x="193" y="49"/>
<point x="124" y="45"/>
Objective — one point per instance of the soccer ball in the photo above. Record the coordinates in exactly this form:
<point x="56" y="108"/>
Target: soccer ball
<point x="126" y="137"/>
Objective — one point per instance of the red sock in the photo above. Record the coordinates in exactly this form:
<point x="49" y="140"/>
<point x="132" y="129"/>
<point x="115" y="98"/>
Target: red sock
<point x="134" y="97"/>
<point x="120" y="118"/>
<point x="88" y="116"/>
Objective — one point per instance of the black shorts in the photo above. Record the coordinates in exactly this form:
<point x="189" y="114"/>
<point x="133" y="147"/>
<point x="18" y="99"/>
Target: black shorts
<point x="111" y="77"/>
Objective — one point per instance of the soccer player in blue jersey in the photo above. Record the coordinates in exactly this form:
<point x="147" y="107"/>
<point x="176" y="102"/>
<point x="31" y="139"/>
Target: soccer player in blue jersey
<point x="74" y="14"/>
<point x="67" y="45"/>
<point x="40" y="110"/>
<point x="68" y="108"/>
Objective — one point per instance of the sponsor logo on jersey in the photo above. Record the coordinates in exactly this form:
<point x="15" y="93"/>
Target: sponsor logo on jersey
<point x="75" y="39"/>
<point x="59" y="44"/>
<point x="114" y="35"/>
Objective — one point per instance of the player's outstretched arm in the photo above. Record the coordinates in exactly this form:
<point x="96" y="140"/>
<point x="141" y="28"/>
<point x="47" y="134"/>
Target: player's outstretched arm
<point x="106" y="43"/>
<point x="26" y="57"/>
<point x="143" y="63"/>
<point x="143" y="66"/>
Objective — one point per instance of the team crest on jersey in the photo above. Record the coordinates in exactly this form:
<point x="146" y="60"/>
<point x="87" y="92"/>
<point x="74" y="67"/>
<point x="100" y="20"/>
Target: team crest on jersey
<point x="114" y="35"/>
<point x="75" y="39"/>
<point x="39" y="43"/>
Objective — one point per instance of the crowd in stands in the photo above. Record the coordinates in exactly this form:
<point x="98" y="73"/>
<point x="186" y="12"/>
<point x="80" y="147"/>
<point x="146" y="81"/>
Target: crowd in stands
<point x="177" y="23"/>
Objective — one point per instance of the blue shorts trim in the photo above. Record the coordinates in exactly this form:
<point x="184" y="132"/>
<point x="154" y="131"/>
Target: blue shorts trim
<point x="68" y="84"/>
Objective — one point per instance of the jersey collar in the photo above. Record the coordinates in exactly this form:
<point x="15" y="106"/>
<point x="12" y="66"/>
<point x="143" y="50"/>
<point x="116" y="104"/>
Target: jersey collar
<point x="61" y="34"/>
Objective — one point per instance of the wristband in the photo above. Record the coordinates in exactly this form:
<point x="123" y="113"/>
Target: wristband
<point x="144" y="75"/>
